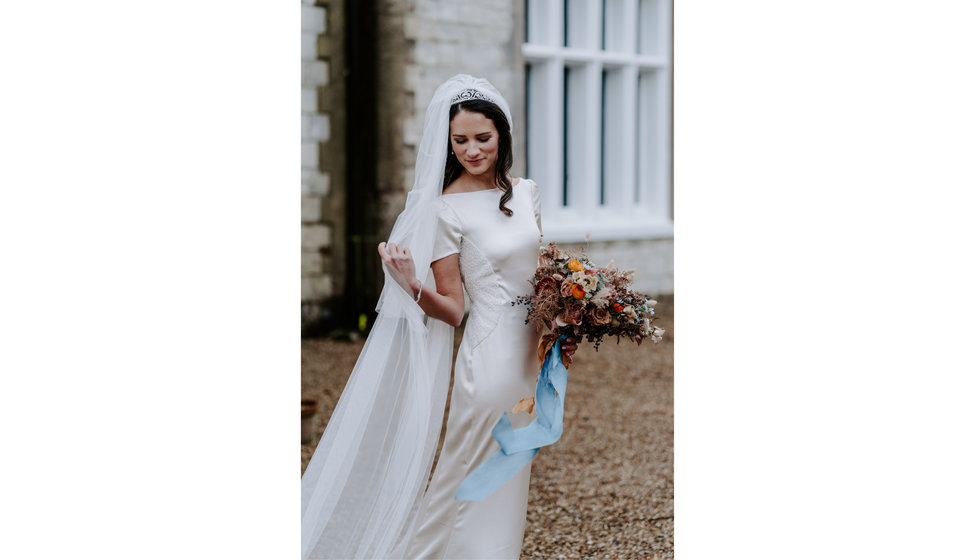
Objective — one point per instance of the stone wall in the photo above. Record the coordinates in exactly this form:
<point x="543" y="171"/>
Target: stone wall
<point x="322" y="160"/>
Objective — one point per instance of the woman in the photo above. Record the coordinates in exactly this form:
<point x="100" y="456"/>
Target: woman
<point x="476" y="229"/>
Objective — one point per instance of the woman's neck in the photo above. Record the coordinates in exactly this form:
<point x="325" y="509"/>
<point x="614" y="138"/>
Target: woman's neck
<point x="469" y="182"/>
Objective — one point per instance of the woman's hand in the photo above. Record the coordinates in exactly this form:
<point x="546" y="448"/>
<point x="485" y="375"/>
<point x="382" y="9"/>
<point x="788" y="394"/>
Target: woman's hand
<point x="399" y="262"/>
<point x="569" y="345"/>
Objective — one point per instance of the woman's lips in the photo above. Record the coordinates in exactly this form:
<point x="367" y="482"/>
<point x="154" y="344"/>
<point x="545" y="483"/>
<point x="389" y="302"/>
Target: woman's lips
<point x="474" y="161"/>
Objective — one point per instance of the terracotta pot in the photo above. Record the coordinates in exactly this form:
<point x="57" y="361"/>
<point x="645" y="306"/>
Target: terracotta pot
<point x="307" y="411"/>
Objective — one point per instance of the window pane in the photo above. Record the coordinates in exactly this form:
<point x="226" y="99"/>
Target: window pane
<point x="613" y="188"/>
<point x="538" y="105"/>
<point x="579" y="26"/>
<point x="575" y="137"/>
<point x="649" y="27"/>
<point x="537" y="22"/>
<point x="647" y="162"/>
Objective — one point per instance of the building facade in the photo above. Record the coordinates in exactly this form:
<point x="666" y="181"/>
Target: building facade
<point x="588" y="82"/>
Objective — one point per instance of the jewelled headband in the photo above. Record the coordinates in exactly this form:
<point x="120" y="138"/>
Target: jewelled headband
<point x="468" y="94"/>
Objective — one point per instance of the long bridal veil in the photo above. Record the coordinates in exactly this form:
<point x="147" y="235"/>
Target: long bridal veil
<point x="363" y="486"/>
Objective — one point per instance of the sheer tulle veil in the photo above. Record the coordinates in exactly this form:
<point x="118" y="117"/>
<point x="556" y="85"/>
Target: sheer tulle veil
<point x="363" y="486"/>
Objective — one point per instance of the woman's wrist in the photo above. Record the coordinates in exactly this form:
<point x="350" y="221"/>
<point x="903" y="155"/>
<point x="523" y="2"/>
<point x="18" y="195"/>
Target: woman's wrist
<point x="416" y="290"/>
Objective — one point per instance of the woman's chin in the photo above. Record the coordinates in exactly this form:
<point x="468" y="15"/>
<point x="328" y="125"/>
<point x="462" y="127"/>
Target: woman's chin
<point x="479" y="171"/>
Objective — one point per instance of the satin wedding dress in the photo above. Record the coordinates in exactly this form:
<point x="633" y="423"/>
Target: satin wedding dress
<point x="496" y="366"/>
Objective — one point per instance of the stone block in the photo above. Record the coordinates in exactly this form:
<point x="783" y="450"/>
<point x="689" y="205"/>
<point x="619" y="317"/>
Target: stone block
<point x="310" y="156"/>
<point x="313" y="73"/>
<point x="306" y="126"/>
<point x="315" y="237"/>
<point x="312" y="263"/>
<point x="318" y="287"/>
<point x="320" y="127"/>
<point x="311" y="207"/>
<point x="308" y="50"/>
<point x="308" y="100"/>
<point x="312" y="19"/>
<point x="409" y="178"/>
<point x="426" y="53"/>
<point x="411" y="27"/>
<point x="454" y="53"/>
<point x="314" y="183"/>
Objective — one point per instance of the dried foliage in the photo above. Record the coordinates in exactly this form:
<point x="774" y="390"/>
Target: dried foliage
<point x="572" y="296"/>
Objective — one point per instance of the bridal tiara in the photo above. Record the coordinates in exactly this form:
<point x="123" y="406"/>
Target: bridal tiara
<point x="470" y="93"/>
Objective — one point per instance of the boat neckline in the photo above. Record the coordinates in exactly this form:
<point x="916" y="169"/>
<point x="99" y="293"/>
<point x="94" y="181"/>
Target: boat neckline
<point x="495" y="189"/>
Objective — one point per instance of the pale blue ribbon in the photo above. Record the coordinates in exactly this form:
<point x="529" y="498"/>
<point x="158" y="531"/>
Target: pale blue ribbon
<point x="519" y="446"/>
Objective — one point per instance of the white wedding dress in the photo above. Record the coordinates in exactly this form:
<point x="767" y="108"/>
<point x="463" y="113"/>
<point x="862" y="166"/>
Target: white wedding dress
<point x="496" y="367"/>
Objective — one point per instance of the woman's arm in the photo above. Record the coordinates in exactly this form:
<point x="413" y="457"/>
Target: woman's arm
<point x="446" y="301"/>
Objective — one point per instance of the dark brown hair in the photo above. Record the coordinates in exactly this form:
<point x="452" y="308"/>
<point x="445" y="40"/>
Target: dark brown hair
<point x="505" y="155"/>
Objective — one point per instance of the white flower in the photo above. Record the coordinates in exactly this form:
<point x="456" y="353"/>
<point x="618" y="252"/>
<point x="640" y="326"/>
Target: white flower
<point x="590" y="283"/>
<point x="658" y="334"/>
<point x="630" y="311"/>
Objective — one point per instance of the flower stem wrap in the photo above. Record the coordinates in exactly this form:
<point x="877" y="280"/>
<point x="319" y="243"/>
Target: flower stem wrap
<point x="519" y="446"/>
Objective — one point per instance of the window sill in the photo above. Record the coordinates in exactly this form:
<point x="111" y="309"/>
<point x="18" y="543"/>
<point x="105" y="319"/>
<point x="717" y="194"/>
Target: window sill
<point x="607" y="231"/>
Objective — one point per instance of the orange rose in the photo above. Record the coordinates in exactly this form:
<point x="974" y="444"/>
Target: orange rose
<point x="578" y="292"/>
<point x="575" y="266"/>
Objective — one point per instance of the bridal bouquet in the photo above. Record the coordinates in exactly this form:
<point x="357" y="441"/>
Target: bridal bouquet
<point x="572" y="297"/>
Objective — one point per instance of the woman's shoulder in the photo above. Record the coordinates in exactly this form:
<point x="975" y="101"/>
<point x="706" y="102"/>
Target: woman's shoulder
<point x="523" y="182"/>
<point x="526" y="185"/>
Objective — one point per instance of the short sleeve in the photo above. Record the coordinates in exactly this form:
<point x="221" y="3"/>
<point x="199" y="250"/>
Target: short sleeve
<point x="449" y="233"/>
<point x="536" y="199"/>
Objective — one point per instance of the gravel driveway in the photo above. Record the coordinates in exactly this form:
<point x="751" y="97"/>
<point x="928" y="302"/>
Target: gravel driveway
<point x="606" y="490"/>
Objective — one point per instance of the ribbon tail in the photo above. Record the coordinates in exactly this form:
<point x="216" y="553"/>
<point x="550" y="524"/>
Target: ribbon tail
<point x="518" y="447"/>
<point x="493" y="474"/>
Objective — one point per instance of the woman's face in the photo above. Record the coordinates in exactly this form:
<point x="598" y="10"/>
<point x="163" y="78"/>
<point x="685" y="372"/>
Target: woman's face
<point x="474" y="140"/>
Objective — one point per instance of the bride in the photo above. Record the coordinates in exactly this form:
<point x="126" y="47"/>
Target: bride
<point x="474" y="227"/>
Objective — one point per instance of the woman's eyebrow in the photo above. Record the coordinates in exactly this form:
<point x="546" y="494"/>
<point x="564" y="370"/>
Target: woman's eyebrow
<point x="477" y="134"/>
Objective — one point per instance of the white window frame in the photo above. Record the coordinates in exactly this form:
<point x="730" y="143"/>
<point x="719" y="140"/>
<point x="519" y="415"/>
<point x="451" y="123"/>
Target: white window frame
<point x="636" y="173"/>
